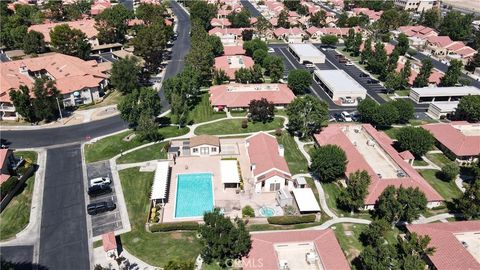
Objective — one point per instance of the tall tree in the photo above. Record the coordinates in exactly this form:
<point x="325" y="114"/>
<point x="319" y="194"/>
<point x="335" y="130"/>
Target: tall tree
<point x="112" y="24"/>
<point x="76" y="10"/>
<point x="431" y="18"/>
<point x="352" y="198"/>
<point x="299" y="80"/>
<point x="203" y="11"/>
<point x="254" y="45"/>
<point x="274" y="67"/>
<point x="45" y="102"/>
<point x="319" y="18"/>
<point x="306" y="115"/>
<point x="151" y="13"/>
<point x="283" y="19"/>
<point x="261" y="110"/>
<point x="55" y="10"/>
<point x="377" y="63"/>
<point x="405" y="109"/>
<point x="402" y="204"/>
<point x="125" y="74"/>
<point x="33" y="42"/>
<point x="412" y="250"/>
<point x="262" y="26"/>
<point x="469" y="109"/>
<point x="416" y="140"/>
<point x="469" y="204"/>
<point x="385" y="115"/>
<point x="423" y="77"/>
<point x="222" y="239"/>
<point x="147" y="129"/>
<point x="357" y="42"/>
<point x="23" y="103"/>
<point x="453" y="73"/>
<point x="456" y="25"/>
<point x="474" y="62"/>
<point x="150" y="43"/>
<point x="403" y="44"/>
<point x="216" y="45"/>
<point x="350" y="39"/>
<point x="329" y="162"/>
<point x="240" y="19"/>
<point x="367" y="109"/>
<point x="70" y="41"/>
<point x="141" y="101"/>
<point x="367" y="50"/>
<point x="405" y="73"/>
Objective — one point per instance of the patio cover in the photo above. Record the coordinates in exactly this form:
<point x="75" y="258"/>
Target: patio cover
<point x="306" y="200"/>
<point x="229" y="171"/>
<point x="160" y="181"/>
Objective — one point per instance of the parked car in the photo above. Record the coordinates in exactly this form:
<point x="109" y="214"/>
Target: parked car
<point x="347" y="100"/>
<point x="100" y="207"/>
<point x="100" y="181"/>
<point x="338" y="117"/>
<point x="355" y="116"/>
<point x="342" y="60"/>
<point x="363" y="75"/>
<point x="348" y="63"/>
<point x="372" y="81"/>
<point x="271" y="50"/>
<point x="284" y="79"/>
<point x="346" y="116"/>
<point x="98" y="190"/>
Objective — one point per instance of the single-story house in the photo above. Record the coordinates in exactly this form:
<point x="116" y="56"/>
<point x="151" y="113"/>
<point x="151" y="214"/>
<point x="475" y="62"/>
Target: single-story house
<point x="231" y="63"/>
<point x="204" y="145"/>
<point x="87" y="26"/>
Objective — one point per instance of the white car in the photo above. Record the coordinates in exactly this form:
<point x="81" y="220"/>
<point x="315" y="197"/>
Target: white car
<point x="100" y="181"/>
<point x="346" y="116"/>
<point x="309" y="65"/>
<point x="348" y="63"/>
<point x="271" y="50"/>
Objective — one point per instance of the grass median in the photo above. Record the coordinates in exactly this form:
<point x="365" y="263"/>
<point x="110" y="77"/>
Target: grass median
<point x="153" y="248"/>
<point x="234" y="126"/>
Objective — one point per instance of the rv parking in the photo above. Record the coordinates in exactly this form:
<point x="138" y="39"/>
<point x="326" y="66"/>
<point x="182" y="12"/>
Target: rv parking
<point x="110" y="220"/>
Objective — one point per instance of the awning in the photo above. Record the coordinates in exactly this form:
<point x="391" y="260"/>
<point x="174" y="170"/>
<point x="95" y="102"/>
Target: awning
<point x="306" y="200"/>
<point x="160" y="181"/>
<point x="229" y="171"/>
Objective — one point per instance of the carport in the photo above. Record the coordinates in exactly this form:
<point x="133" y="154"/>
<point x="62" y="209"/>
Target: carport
<point x="160" y="182"/>
<point x="306" y="201"/>
<point x="229" y="173"/>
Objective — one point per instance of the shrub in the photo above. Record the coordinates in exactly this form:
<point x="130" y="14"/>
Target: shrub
<point x="174" y="226"/>
<point x="278" y="132"/>
<point x="8" y="186"/>
<point x="244" y="123"/>
<point x="450" y="171"/>
<point x="289" y="220"/>
<point x="248" y="211"/>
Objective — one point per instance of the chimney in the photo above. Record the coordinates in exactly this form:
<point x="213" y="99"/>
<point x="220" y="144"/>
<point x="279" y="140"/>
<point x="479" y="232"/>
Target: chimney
<point x="281" y="150"/>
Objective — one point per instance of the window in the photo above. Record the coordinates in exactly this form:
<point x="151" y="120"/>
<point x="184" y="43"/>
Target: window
<point x="274" y="186"/>
<point x="194" y="150"/>
<point x="214" y="149"/>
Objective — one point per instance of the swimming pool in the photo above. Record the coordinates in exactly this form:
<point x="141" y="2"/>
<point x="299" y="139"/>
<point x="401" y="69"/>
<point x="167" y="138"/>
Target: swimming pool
<point x="194" y="195"/>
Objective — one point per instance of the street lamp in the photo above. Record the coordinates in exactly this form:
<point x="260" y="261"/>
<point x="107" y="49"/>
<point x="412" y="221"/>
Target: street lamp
<point x="60" y="111"/>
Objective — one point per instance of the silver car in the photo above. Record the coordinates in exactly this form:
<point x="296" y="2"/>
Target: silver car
<point x="100" y="181"/>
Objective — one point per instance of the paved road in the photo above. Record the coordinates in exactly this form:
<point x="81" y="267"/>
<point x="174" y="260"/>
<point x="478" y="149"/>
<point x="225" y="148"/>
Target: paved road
<point x="63" y="231"/>
<point x="20" y="256"/>
<point x="253" y="11"/>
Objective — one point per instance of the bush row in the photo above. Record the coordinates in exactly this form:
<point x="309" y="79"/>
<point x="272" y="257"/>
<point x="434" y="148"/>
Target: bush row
<point x="289" y="220"/>
<point x="174" y="226"/>
<point x="8" y="186"/>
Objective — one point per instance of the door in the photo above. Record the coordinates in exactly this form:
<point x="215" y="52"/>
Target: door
<point x="274" y="186"/>
<point x="204" y="151"/>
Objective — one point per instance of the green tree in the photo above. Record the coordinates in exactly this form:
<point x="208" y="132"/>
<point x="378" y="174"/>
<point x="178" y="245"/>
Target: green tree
<point x="283" y="19"/>
<point x="216" y="45"/>
<point x="375" y="233"/>
<point x="142" y="101"/>
<point x="350" y="39"/>
<point x="240" y="19"/>
<point x="125" y="74"/>
<point x="70" y="41"/>
<point x="367" y="51"/>
<point x="299" y="80"/>
<point x="112" y="24"/>
<point x="179" y="108"/>
<point x="453" y="73"/>
<point x="405" y="74"/>
<point x="147" y="129"/>
<point x="431" y="18"/>
<point x="76" y="10"/>
<point x="329" y="40"/>
<point x="393" y="82"/>
<point x="456" y="25"/>
<point x="150" y="43"/>
<point x="306" y="115"/>
<point x="253" y="45"/>
<point x="378" y="61"/>
<point x="17" y="35"/>
<point x="473" y="63"/>
<point x="352" y="198"/>
<point x="23" y="103"/>
<point x="261" y="110"/>
<point x="376" y="257"/>
<point x="357" y="42"/>
<point x="367" y="109"/>
<point x="403" y="44"/>
<point x="223" y="239"/>
<point x="412" y="250"/>
<point x="469" y="109"/>
<point x="319" y="19"/>
<point x="402" y="204"/>
<point x="45" y="101"/>
<point x="151" y="14"/>
<point x="329" y="162"/>
<point x="393" y="62"/>
<point x="423" y="77"/>
<point x="259" y="56"/>
<point x="262" y="26"/>
<point x="416" y="140"/>
<point x="33" y="42"/>
<point x="292" y="5"/>
<point x="55" y="10"/>
<point x="243" y="75"/>
<point x="450" y="171"/>
<point x="247" y="34"/>
<point x="203" y="11"/>
<point x="274" y="67"/>
<point x="405" y="109"/>
<point x="219" y="77"/>
<point x="469" y="204"/>
<point x="385" y="115"/>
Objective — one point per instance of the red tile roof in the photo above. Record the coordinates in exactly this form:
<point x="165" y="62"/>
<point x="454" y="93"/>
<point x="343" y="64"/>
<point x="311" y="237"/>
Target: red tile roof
<point x="449" y="251"/>
<point x="333" y="134"/>
<point x="263" y="250"/>
<point x="86" y="26"/>
<point x="221" y="22"/>
<point x="290" y="31"/>
<point x="233" y="50"/>
<point x="222" y="63"/>
<point x="406" y="155"/>
<point x="3" y="157"/>
<point x="331" y="30"/>
<point x="239" y="95"/>
<point x="109" y="242"/>
<point x="226" y="31"/>
<point x="452" y="138"/>
<point x="263" y="152"/>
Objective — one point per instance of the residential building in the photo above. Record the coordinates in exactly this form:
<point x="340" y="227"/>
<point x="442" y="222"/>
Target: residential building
<point x="233" y="50"/>
<point x="444" y="47"/>
<point x="317" y="33"/>
<point x="220" y="22"/>
<point x="204" y="145"/>
<point x="417" y="5"/>
<point x="417" y="34"/>
<point x="87" y="26"/>
<point x="456" y="244"/>
<point x="98" y="6"/>
<point x="306" y="250"/>
<point x="306" y="52"/>
<point x="228" y="36"/>
<point x="459" y="140"/>
<point x="8" y="164"/>
<point x="231" y="63"/>
<point x="370" y="150"/>
<point x="238" y="96"/>
<point x="339" y="86"/>
<point x="433" y="79"/>
<point x="442" y="110"/>
<point x="371" y="14"/>
<point x="79" y="81"/>
<point x="437" y="94"/>
<point x="290" y="35"/>
<point x="267" y="163"/>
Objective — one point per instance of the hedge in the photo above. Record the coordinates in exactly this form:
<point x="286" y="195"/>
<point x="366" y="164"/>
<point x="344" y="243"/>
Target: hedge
<point x="289" y="220"/>
<point x="8" y="186"/>
<point x="174" y="226"/>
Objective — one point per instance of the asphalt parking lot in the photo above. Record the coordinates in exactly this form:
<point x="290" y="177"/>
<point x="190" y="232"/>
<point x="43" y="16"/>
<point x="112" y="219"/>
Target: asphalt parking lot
<point x="108" y="221"/>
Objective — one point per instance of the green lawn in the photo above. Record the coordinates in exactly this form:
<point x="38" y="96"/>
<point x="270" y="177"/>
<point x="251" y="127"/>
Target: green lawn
<point x="311" y="185"/>
<point x="155" y="151"/>
<point x="332" y="192"/>
<point x="391" y="132"/>
<point x="420" y="162"/>
<point x="439" y="159"/>
<point x="113" y="145"/>
<point x="448" y="190"/>
<point x="16" y="215"/>
<point x="203" y="111"/>
<point x="114" y="97"/>
<point x="153" y="248"/>
<point x="415" y="122"/>
<point x="239" y="113"/>
<point x="234" y="126"/>
<point x="350" y="244"/>
<point x="403" y="93"/>
<point x="297" y="163"/>
<point x="308" y="148"/>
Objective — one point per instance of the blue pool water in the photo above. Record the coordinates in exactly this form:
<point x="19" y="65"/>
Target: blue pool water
<point x="194" y="195"/>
